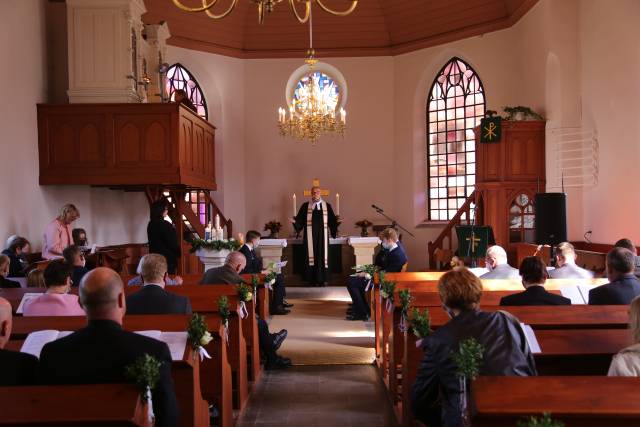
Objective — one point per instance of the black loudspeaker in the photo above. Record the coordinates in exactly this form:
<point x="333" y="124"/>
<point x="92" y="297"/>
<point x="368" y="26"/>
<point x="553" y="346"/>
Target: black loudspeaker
<point x="551" y="218"/>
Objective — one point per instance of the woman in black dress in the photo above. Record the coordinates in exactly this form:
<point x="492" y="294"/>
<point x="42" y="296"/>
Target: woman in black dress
<point x="162" y="236"/>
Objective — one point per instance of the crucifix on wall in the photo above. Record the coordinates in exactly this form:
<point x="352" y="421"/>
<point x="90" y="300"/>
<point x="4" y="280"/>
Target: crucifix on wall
<point x="316" y="183"/>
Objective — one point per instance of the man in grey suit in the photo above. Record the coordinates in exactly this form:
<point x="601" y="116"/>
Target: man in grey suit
<point x="496" y="263"/>
<point x="566" y="264"/>
<point x="623" y="285"/>
<point x="153" y="298"/>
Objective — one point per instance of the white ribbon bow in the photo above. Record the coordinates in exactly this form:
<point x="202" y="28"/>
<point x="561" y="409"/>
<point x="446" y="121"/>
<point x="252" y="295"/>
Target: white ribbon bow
<point x="243" y="310"/>
<point x="225" y="333"/>
<point x="369" y="285"/>
<point x="389" y="305"/>
<point x="202" y="352"/>
<point x="150" y="415"/>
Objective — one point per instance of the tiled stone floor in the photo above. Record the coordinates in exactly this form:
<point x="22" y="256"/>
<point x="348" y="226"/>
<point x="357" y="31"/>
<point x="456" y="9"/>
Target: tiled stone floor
<point x="319" y="396"/>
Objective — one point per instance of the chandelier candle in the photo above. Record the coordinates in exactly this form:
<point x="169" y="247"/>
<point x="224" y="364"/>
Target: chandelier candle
<point x="294" y="204"/>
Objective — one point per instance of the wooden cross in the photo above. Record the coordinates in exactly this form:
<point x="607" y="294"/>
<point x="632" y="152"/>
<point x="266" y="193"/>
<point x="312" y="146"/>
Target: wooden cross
<point x="316" y="183"/>
<point x="474" y="241"/>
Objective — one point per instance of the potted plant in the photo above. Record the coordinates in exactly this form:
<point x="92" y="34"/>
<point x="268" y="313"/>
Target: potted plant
<point x="364" y="225"/>
<point x="273" y="227"/>
<point x="520" y="113"/>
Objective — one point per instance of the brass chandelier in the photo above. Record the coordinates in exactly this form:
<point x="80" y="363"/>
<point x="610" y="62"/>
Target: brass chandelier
<point x="267" y="6"/>
<point x="314" y="111"/>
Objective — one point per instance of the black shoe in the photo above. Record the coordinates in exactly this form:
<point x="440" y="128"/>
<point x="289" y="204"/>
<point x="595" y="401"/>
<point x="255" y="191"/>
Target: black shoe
<point x="286" y="304"/>
<point x="279" y="363"/>
<point x="279" y="338"/>
<point x="280" y="310"/>
<point x="354" y="317"/>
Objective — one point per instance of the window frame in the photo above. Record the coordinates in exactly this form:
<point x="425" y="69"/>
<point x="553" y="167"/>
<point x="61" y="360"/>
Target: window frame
<point x="172" y="88"/>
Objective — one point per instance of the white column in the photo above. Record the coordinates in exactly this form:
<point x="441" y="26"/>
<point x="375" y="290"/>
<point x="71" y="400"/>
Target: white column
<point x="271" y="250"/>
<point x="363" y="248"/>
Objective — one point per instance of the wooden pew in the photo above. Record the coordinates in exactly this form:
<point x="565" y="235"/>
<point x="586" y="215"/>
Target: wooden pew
<point x="564" y="352"/>
<point x="204" y="299"/>
<point x="72" y="405"/>
<point x="576" y="401"/>
<point x="214" y="382"/>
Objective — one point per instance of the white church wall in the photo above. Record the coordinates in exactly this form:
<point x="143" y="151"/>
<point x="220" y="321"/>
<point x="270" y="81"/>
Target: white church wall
<point x="610" y="103"/>
<point x="109" y="217"/>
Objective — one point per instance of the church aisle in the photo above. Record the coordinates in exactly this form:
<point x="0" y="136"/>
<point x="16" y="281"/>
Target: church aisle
<point x="310" y="396"/>
<point x="318" y="331"/>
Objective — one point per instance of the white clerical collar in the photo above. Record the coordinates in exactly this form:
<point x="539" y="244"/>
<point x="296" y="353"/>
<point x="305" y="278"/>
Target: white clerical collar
<point x="249" y="245"/>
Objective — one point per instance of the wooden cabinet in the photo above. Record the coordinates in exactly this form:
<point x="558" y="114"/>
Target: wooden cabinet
<point x="509" y="174"/>
<point x="125" y="145"/>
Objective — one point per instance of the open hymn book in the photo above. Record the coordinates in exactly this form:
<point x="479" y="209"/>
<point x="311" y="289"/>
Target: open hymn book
<point x="177" y="341"/>
<point x="578" y="294"/>
<point x="534" y="345"/>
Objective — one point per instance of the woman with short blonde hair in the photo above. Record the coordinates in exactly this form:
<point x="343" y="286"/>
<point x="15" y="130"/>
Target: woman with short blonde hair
<point x="58" y="234"/>
<point x="627" y="362"/>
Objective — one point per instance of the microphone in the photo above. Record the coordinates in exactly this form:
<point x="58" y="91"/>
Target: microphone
<point x="377" y="208"/>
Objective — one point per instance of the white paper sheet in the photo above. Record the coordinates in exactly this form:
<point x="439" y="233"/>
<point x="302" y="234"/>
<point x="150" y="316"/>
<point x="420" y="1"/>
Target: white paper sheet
<point x="478" y="271"/>
<point x="26" y="297"/>
<point x="573" y="293"/>
<point x="584" y="290"/>
<point x="177" y="342"/>
<point x="38" y="339"/>
<point x="534" y="345"/>
<point x="151" y="334"/>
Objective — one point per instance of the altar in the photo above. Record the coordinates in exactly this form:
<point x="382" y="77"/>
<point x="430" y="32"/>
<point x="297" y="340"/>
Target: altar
<point x="344" y="254"/>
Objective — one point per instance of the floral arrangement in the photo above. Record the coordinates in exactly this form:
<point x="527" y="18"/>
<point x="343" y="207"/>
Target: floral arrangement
<point x="145" y="373"/>
<point x="197" y="332"/>
<point x="544" y="421"/>
<point x="468" y="358"/>
<point x="270" y="277"/>
<point x="405" y="302"/>
<point x="387" y="289"/>
<point x="420" y="323"/>
<point x="273" y="227"/>
<point x="215" y="245"/>
<point x="223" y="308"/>
<point x="244" y="293"/>
<point x="369" y="270"/>
<point x="525" y="112"/>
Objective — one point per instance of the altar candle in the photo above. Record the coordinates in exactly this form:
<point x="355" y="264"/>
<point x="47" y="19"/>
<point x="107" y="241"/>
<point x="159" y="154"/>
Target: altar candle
<point x="343" y="116"/>
<point x="294" y="205"/>
<point x="217" y="223"/>
<point x="337" y="203"/>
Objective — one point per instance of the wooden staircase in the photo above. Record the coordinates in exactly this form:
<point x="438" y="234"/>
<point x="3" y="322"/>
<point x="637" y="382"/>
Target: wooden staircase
<point x="441" y="250"/>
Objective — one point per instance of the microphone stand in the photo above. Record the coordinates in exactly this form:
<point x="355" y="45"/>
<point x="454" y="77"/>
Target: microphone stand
<point x="394" y="223"/>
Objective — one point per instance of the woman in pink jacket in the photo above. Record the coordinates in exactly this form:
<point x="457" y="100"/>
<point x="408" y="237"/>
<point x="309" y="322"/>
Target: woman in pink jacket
<point x="57" y="235"/>
<point x="56" y="301"/>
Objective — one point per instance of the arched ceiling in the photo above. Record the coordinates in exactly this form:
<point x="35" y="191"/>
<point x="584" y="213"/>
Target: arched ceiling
<point x="376" y="27"/>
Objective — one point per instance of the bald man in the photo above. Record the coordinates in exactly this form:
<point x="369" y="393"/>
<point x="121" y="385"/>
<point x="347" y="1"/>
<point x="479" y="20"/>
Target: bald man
<point x="15" y="368"/>
<point x="99" y="353"/>
<point x="496" y="263"/>
<point x="229" y="274"/>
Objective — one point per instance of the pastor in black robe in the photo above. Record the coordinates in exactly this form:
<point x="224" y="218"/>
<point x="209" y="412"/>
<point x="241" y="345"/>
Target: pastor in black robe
<point x="318" y="273"/>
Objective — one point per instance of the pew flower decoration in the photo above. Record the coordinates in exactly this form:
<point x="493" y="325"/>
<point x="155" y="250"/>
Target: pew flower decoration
<point x="255" y="282"/>
<point x="244" y="295"/>
<point x="225" y="314"/>
<point x="420" y="324"/>
<point x="368" y="271"/>
<point x="145" y="373"/>
<point x="270" y="277"/>
<point x="544" y="421"/>
<point x="467" y="358"/>
<point x="198" y="335"/>
<point x="405" y="302"/>
<point x="215" y="245"/>
<point x="387" y="290"/>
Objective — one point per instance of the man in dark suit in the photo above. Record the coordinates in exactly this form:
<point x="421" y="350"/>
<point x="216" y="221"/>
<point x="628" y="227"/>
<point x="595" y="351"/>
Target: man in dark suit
<point x="153" y="298"/>
<point x="73" y="256"/>
<point x="623" y="285"/>
<point x="15" y="368"/>
<point x="100" y="352"/>
<point x="499" y="268"/>
<point x="4" y="272"/>
<point x="254" y="266"/>
<point x="390" y="259"/>
<point x="534" y="275"/>
<point x="229" y="274"/>
<point x="628" y="244"/>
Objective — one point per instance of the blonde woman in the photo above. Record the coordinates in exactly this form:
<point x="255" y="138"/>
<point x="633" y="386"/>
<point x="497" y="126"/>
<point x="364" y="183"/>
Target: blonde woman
<point x="58" y="234"/>
<point x="35" y="279"/>
<point x="627" y="362"/>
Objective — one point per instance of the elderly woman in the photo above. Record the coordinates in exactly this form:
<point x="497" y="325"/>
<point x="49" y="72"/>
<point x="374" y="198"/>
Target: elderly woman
<point x="436" y="392"/>
<point x="57" y="235"/>
<point x="627" y="362"/>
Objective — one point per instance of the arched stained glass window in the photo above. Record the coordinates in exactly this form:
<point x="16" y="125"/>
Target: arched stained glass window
<point x="178" y="77"/>
<point x="522" y="219"/>
<point x="455" y="106"/>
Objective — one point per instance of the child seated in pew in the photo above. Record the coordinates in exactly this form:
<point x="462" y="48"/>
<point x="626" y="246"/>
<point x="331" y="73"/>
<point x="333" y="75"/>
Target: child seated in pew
<point x="100" y="351"/>
<point x="534" y="276"/>
<point x="15" y="368"/>
<point x="390" y="259"/>
<point x="436" y="391"/>
<point x="627" y="362"/>
<point x="74" y="257"/>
